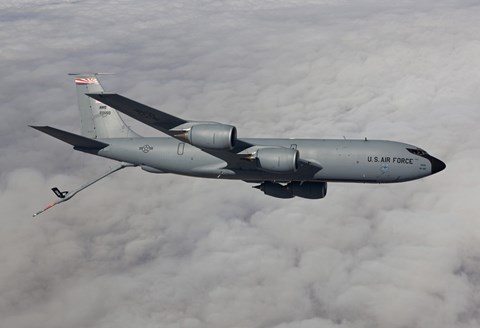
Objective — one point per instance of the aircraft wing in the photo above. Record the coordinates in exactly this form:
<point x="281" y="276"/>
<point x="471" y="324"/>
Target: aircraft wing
<point x="167" y="124"/>
<point x="153" y="117"/>
<point x="237" y="158"/>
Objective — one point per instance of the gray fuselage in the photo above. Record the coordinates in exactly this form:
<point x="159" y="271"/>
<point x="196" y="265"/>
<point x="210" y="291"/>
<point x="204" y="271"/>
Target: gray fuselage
<point x="363" y="161"/>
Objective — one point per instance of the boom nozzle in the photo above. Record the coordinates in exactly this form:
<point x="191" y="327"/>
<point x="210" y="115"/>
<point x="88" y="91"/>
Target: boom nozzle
<point x="58" y="193"/>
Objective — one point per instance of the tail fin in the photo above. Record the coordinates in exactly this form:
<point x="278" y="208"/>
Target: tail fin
<point x="98" y="120"/>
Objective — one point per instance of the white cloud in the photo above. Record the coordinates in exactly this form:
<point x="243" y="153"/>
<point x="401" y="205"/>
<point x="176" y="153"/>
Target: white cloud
<point x="169" y="251"/>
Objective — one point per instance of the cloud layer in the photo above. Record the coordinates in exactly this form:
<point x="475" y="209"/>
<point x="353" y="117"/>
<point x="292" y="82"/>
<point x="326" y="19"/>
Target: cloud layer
<point x="170" y="251"/>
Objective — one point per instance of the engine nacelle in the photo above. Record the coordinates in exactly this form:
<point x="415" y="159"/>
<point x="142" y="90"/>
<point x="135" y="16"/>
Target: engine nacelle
<point x="275" y="190"/>
<point x="309" y="190"/>
<point x="277" y="160"/>
<point x="212" y="136"/>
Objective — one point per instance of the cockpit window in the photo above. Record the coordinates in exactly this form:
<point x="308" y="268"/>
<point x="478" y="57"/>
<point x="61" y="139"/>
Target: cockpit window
<point x="417" y="151"/>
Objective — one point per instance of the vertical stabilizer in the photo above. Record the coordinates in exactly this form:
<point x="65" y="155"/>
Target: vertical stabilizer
<point x="98" y="120"/>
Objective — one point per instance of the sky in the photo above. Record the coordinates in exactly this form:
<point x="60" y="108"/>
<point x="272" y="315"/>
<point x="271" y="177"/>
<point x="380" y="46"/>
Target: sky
<point x="168" y="251"/>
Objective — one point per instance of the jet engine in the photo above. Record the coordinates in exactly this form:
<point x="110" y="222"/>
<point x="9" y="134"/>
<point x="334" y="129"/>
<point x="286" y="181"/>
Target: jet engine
<point x="212" y="136"/>
<point x="309" y="190"/>
<point x="275" y="190"/>
<point x="277" y="160"/>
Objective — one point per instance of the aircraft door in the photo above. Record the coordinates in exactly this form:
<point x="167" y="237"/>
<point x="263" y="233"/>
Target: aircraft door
<point x="180" y="148"/>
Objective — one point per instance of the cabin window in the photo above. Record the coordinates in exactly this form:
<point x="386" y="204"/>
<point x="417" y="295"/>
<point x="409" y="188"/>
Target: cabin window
<point x="417" y="151"/>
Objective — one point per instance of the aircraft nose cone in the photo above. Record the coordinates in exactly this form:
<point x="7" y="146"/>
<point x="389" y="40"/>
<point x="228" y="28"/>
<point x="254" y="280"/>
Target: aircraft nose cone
<point x="437" y="165"/>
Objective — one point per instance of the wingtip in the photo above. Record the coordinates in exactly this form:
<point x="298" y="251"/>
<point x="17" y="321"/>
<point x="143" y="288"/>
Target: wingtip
<point x="39" y="127"/>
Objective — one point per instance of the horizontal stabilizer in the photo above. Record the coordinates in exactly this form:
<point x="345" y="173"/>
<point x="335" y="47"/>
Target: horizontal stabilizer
<point x="71" y="138"/>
